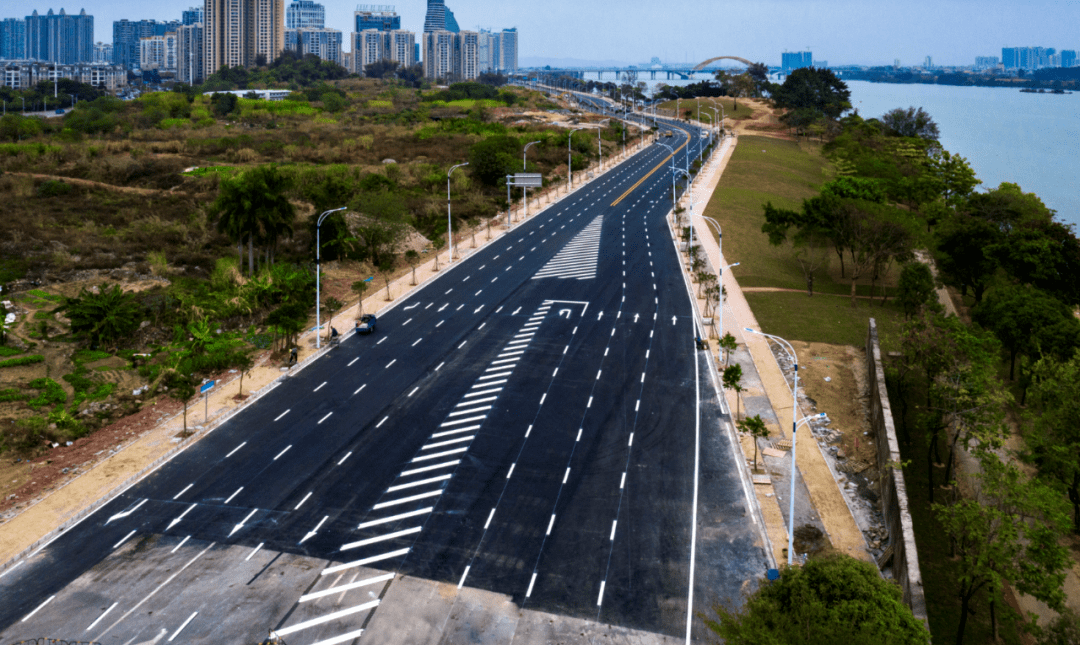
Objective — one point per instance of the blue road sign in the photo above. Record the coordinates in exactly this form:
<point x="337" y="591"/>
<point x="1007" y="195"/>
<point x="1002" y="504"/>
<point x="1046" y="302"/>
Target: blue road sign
<point x="206" y="387"/>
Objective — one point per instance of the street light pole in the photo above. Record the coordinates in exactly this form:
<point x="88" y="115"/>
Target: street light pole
<point x="720" y="271"/>
<point x="449" y="221"/>
<point x="524" y="167"/>
<point x="318" y="268"/>
<point x="690" y="184"/>
<point x="569" y="157"/>
<point x="672" y="174"/>
<point x="794" y="434"/>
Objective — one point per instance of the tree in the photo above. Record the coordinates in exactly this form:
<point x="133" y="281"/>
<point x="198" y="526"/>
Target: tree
<point x="1054" y="438"/>
<point x="493" y="158"/>
<point x="381" y="68"/>
<point x="808" y="242"/>
<point x="754" y="427"/>
<point x="912" y="122"/>
<point x="253" y="205"/>
<point x="916" y="288"/>
<point x="224" y="104"/>
<point x="331" y="307"/>
<point x="962" y="257"/>
<point x="243" y="362"/>
<point x="1063" y="630"/>
<point x="1010" y="531"/>
<point x="359" y="287"/>
<point x="413" y="258"/>
<point x="728" y="344"/>
<point x="956" y="177"/>
<point x="1029" y="322"/>
<point x="732" y="380"/>
<point x="830" y="599"/>
<point x="182" y="388"/>
<point x="817" y="89"/>
<point x="103" y="317"/>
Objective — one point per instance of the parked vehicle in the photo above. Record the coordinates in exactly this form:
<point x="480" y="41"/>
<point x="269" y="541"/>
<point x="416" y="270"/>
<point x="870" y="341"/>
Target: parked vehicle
<point x="366" y="324"/>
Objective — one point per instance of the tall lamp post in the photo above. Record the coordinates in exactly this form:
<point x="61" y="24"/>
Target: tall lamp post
<point x="720" y="269"/>
<point x="318" y="267"/>
<point x="794" y="430"/>
<point x="570" y="156"/>
<point x="524" y="167"/>
<point x="690" y="185"/>
<point x="449" y="221"/>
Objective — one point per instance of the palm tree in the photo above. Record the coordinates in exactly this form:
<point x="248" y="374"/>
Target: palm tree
<point x="253" y="205"/>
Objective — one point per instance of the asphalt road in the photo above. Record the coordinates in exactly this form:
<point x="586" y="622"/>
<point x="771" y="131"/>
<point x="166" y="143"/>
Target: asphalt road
<point x="536" y="423"/>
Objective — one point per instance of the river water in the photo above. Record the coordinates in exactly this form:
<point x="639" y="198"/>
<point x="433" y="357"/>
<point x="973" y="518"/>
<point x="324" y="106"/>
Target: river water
<point x="1006" y="135"/>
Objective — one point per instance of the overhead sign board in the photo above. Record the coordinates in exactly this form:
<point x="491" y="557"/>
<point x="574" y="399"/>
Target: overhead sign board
<point x="528" y="180"/>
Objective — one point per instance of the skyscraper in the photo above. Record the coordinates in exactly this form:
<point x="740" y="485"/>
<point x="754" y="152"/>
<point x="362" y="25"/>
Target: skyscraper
<point x="796" y="60"/>
<point x="324" y="43"/>
<point x="508" y="54"/>
<point x="372" y="45"/>
<point x="1068" y="58"/>
<point x="189" y="53"/>
<point x="128" y="33"/>
<point x="380" y="17"/>
<point x="439" y="17"/>
<point x="305" y="14"/>
<point x="242" y="32"/>
<point x="13" y="39"/>
<point x="192" y="16"/>
<point x="60" y="38"/>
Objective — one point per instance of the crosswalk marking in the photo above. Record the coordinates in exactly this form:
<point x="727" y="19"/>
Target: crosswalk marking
<point x="577" y="260"/>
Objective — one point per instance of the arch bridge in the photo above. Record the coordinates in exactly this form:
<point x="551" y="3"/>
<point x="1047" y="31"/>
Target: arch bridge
<point x="701" y="66"/>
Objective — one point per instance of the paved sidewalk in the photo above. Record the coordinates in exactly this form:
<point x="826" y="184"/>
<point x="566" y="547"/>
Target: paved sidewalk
<point x="769" y="394"/>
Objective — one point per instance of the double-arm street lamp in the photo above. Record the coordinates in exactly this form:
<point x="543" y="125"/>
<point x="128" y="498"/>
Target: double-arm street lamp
<point x="794" y="430"/>
<point x="525" y="167"/>
<point x="318" y="248"/>
<point x="570" y="156"/>
<point x="449" y="221"/>
<point x="720" y="270"/>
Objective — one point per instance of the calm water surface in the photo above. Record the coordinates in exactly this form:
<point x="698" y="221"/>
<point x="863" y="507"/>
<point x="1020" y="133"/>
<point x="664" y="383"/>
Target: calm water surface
<point x="1006" y="135"/>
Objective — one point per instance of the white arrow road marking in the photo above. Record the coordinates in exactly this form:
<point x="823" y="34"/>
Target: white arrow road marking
<point x="314" y="530"/>
<point x="636" y="317"/>
<point x="126" y="513"/>
<point x="673" y="319"/>
<point x="177" y="520"/>
<point x="243" y="521"/>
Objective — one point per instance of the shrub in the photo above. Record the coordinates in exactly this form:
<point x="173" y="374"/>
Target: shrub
<point x="11" y="394"/>
<point x="9" y="351"/>
<point x="53" y="188"/>
<point x="23" y="360"/>
<point x="52" y="393"/>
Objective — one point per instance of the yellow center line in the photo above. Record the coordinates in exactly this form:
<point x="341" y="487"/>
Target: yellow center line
<point x="658" y="167"/>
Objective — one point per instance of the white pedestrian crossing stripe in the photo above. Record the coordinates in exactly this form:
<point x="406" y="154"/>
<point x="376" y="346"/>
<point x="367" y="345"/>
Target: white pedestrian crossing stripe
<point x="578" y="259"/>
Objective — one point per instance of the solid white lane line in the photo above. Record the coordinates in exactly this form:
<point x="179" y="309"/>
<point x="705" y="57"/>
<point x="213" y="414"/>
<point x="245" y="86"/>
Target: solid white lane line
<point x="532" y="581"/>
<point x="186" y="488"/>
<point x="278" y="417"/>
<point x="488" y="522"/>
<point x="613" y="523"/>
<point x="234" y="494"/>
<point x="302" y="502"/>
<point x="347" y="455"/>
<point x="285" y="451"/>
<point x="106" y="613"/>
<point x="394" y="518"/>
<point x="238" y="447"/>
<point x="414" y="390"/>
<point x="421" y="482"/>
<point x="353" y="361"/>
<point x="325" y="418"/>
<point x="406" y="500"/>
<point x="511" y="472"/>
<point x="360" y="388"/>
<point x="343" y="588"/>
<point x="461" y="421"/>
<point x="438" y="454"/>
<point x="326" y="618"/>
<point x="379" y="424"/>
<point x="158" y="588"/>
<point x="254" y="551"/>
<point x="390" y="363"/>
<point x="416" y="471"/>
<point x="483" y="392"/>
<point x="320" y="387"/>
<point x="455" y="431"/>
<point x="39" y="608"/>
<point x="364" y="561"/>
<point x="380" y="538"/>
<point x="185" y="624"/>
<point x="470" y="410"/>
<point x="551" y="523"/>
<point x="124" y="539"/>
<point x="177" y="547"/>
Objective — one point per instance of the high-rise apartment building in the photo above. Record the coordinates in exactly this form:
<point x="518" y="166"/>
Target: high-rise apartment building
<point x="12" y="39"/>
<point x="379" y="17"/>
<point x="158" y="52"/>
<point x="439" y="17"/>
<point x="128" y="33"/>
<point x="372" y="45"/>
<point x="191" y="16"/>
<point x="796" y="60"/>
<point x="102" y="53"/>
<point x="1030" y="58"/>
<point x="466" y="56"/>
<point x="438" y="54"/>
<point x="242" y="32"/>
<point x="986" y="62"/>
<point x="1068" y="58"/>
<point x="508" y="51"/>
<point x="60" y="38"/>
<point x="324" y="43"/>
<point x="305" y="14"/>
<point x="189" y="53"/>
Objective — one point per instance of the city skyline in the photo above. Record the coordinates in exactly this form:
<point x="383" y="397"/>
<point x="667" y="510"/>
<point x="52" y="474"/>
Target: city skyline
<point x="872" y="34"/>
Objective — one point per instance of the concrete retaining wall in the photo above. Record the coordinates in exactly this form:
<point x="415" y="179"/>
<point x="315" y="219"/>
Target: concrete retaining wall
<point x="894" y="501"/>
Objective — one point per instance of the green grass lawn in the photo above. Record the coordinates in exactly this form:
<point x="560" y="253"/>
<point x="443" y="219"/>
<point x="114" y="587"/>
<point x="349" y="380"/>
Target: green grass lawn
<point x="825" y="318"/>
<point x="730" y="112"/>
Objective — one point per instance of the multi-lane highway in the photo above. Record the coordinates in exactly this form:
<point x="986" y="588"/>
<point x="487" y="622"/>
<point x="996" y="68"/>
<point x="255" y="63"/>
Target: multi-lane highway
<point x="536" y="423"/>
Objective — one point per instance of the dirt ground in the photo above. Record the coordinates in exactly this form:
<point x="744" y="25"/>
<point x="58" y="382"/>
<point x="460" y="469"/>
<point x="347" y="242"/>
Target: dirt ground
<point x="843" y="396"/>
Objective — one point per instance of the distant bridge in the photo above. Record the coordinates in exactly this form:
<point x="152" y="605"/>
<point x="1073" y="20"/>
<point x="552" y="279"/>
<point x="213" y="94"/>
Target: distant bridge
<point x="684" y="72"/>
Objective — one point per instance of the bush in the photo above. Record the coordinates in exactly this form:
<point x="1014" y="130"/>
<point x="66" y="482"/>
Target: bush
<point x="23" y="360"/>
<point x="53" y="188"/>
<point x="52" y="393"/>
<point x="9" y="351"/>
<point x="11" y="394"/>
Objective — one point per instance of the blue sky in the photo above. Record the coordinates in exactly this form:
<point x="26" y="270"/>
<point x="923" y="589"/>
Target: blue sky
<point x="839" y="31"/>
